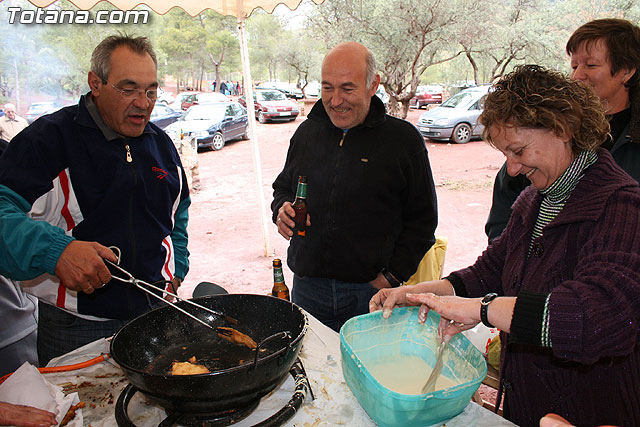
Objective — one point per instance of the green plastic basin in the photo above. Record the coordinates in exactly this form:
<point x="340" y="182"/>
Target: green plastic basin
<point x="369" y="339"/>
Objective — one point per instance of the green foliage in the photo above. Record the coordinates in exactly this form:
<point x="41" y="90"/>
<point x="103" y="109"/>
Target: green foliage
<point x="195" y="46"/>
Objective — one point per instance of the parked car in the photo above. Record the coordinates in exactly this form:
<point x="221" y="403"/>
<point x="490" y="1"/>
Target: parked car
<point x="272" y="105"/>
<point x="383" y="95"/>
<point x="162" y="115"/>
<point x="289" y="90"/>
<point x="456" y="118"/>
<point x="38" y="109"/>
<point x="212" y="124"/>
<point x="425" y="95"/>
<point x="313" y="89"/>
<point x="203" y="98"/>
<point x="177" y="104"/>
<point x="165" y="97"/>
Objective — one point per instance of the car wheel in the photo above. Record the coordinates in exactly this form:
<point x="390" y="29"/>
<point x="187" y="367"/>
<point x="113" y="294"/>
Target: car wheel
<point x="461" y="134"/>
<point x="261" y="117"/>
<point x="245" y="135"/>
<point x="218" y="141"/>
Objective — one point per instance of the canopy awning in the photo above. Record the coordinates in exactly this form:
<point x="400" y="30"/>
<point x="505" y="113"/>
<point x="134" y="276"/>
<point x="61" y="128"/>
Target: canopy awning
<point x="237" y="8"/>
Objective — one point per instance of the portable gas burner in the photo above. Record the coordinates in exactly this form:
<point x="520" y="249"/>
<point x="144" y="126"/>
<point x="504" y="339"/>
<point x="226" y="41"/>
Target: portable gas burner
<point x="205" y="418"/>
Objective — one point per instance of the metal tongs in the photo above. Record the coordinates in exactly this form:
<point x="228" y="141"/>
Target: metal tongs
<point x="142" y="285"/>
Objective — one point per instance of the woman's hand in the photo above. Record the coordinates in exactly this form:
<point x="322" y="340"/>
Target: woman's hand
<point x="464" y="312"/>
<point x="457" y="314"/>
<point x="25" y="416"/>
<point x="389" y="298"/>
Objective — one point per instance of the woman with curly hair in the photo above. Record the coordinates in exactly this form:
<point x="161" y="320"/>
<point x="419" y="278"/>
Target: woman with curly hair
<point x="562" y="282"/>
<point x="605" y="54"/>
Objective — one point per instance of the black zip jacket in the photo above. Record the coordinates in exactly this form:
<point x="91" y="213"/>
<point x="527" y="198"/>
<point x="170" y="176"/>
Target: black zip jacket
<point x="370" y="195"/>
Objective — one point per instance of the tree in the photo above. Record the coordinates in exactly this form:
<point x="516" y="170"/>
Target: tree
<point x="406" y="36"/>
<point x="194" y="45"/>
<point x="265" y="38"/>
<point x="221" y="42"/>
<point x="303" y="55"/>
<point x="52" y="59"/>
<point x="502" y="36"/>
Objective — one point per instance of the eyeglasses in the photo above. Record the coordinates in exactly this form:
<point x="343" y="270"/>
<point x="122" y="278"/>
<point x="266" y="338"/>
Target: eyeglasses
<point x="151" y="94"/>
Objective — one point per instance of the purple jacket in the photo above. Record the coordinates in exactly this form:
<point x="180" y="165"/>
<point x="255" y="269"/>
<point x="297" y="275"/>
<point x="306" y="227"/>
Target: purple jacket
<point x="588" y="259"/>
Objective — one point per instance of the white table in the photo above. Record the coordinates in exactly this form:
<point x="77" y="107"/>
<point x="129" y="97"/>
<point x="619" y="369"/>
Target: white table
<point x="334" y="403"/>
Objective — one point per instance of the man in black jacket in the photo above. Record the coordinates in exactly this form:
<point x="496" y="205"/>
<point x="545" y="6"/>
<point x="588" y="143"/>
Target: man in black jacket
<point x="371" y="197"/>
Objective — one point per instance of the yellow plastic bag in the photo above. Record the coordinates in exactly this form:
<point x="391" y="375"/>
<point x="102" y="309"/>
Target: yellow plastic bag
<point x="432" y="264"/>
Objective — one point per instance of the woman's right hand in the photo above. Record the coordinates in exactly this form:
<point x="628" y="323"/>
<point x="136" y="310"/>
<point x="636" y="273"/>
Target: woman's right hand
<point x="388" y="298"/>
<point x="25" y="416"/>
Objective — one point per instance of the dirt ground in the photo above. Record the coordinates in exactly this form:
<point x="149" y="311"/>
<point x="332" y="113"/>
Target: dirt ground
<point x="225" y="226"/>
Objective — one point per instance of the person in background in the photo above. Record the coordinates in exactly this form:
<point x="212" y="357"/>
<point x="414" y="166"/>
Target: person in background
<point x="604" y="54"/>
<point x="25" y="416"/>
<point x="10" y="125"/>
<point x="371" y="197"/>
<point x="562" y="282"/>
<point x="87" y="178"/>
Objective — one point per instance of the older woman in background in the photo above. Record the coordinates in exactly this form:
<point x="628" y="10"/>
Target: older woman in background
<point x="562" y="282"/>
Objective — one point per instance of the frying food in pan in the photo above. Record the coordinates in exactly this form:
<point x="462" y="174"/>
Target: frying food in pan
<point x="236" y="337"/>
<point x="189" y="367"/>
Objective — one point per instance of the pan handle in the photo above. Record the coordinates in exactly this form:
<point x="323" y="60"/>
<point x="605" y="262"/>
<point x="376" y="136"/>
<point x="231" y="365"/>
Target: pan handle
<point x="283" y="334"/>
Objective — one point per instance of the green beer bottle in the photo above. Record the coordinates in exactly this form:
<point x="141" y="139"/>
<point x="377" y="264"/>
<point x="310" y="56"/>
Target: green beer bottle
<point x="279" y="289"/>
<point x="300" y="206"/>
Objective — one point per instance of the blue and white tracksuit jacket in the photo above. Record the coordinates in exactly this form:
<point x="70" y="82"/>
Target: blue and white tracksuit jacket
<point x="61" y="179"/>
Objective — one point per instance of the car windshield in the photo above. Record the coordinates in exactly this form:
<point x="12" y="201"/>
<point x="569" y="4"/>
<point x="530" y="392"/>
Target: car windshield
<point x="459" y="99"/>
<point x="42" y="106"/>
<point x="270" y="95"/>
<point x="209" y="112"/>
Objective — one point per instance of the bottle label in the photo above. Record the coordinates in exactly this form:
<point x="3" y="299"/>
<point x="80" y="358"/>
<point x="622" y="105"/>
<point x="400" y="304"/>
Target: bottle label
<point x="302" y="190"/>
<point x="278" y="277"/>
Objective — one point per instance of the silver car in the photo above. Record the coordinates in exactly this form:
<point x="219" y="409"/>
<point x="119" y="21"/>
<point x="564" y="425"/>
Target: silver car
<point x="456" y="119"/>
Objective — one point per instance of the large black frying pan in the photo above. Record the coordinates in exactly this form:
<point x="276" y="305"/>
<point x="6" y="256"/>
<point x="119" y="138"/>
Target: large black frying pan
<point x="146" y="347"/>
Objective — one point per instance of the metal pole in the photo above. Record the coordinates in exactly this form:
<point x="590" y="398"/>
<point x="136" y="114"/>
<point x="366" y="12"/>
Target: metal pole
<point x="253" y="134"/>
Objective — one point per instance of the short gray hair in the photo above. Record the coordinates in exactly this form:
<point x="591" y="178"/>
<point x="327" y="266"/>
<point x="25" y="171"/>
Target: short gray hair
<point x="9" y="105"/>
<point x="371" y="68"/>
<point x="101" y="56"/>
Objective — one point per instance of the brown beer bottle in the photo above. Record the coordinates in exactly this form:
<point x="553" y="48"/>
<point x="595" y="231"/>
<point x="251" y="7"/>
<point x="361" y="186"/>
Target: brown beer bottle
<point x="279" y="289"/>
<point x="300" y="206"/>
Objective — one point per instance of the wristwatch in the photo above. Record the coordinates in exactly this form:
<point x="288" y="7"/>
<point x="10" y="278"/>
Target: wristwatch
<point x="484" y="305"/>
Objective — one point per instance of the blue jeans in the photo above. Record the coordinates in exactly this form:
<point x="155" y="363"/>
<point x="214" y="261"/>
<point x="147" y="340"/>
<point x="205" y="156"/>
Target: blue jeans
<point x="60" y="332"/>
<point x="331" y="301"/>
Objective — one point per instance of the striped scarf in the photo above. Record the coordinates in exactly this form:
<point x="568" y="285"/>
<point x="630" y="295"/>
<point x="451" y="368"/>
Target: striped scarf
<point x="555" y="197"/>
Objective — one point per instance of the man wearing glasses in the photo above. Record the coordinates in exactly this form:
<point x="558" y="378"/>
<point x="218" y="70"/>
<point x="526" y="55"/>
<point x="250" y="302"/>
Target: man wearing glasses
<point x="85" y="179"/>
